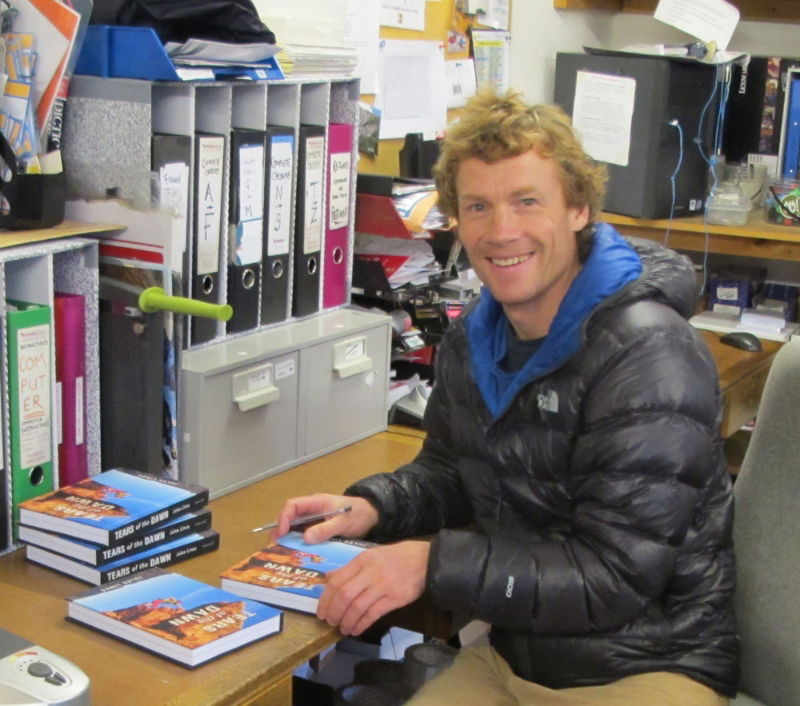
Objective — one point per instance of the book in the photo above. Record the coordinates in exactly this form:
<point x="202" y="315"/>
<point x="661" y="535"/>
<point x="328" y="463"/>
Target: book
<point x="290" y="573"/>
<point x="179" y="618"/>
<point x="112" y="505"/>
<point x="163" y="554"/>
<point x="96" y="554"/>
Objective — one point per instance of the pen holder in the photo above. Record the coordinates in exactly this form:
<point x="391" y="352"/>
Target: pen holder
<point x="29" y="201"/>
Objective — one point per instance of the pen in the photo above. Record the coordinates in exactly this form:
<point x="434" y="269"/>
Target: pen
<point x="306" y="519"/>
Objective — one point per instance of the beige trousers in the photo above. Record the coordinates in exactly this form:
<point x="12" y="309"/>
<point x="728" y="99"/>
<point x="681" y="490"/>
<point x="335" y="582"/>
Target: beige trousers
<point x="479" y="676"/>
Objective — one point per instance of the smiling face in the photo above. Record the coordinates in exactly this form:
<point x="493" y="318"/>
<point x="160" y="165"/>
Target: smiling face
<point x="520" y="236"/>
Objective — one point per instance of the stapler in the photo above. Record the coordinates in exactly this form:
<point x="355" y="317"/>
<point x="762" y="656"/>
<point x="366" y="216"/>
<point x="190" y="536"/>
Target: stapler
<point x="33" y="676"/>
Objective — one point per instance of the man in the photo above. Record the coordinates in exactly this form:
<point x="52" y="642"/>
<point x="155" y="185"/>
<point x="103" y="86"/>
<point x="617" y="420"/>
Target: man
<point x="572" y="472"/>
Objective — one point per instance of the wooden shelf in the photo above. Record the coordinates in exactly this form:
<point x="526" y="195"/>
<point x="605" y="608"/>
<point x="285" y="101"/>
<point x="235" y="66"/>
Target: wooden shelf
<point x="758" y="10"/>
<point x="757" y="238"/>
<point x="11" y="238"/>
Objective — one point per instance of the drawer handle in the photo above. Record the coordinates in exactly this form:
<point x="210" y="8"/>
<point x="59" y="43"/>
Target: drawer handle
<point x="353" y="367"/>
<point x="251" y="400"/>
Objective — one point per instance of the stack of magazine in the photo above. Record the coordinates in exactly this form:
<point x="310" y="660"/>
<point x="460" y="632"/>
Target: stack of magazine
<point x="115" y="524"/>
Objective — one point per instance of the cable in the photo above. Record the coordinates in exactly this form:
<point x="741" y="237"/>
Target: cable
<point x="673" y="177"/>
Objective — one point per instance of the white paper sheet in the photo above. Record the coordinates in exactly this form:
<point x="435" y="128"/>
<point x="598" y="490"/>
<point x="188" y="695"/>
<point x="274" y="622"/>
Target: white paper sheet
<point x="492" y="50"/>
<point x="708" y="20"/>
<point x="412" y="94"/>
<point x="461" y="83"/>
<point x="405" y="14"/>
<point x="603" y="115"/>
<point x="362" y="32"/>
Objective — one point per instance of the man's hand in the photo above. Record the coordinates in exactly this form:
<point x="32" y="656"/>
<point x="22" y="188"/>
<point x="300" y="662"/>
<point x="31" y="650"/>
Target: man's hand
<point x="356" y="523"/>
<point x="376" y="582"/>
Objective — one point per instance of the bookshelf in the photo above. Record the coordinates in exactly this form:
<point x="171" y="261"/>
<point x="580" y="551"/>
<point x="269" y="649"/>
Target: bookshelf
<point x="249" y="402"/>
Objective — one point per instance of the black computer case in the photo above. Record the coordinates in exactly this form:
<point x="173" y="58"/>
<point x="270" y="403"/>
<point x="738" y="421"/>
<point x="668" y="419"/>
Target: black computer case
<point x="667" y="89"/>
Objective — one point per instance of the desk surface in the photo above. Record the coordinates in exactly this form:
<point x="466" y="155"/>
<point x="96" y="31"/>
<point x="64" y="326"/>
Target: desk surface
<point x="33" y="599"/>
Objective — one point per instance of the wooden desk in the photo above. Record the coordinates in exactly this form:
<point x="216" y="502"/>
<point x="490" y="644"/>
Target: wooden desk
<point x="33" y="599"/>
<point x="742" y="375"/>
<point x="757" y="239"/>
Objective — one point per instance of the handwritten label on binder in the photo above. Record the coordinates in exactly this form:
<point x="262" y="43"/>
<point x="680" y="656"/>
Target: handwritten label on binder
<point x="33" y="392"/>
<point x="312" y="217"/>
<point x="280" y="197"/>
<point x="338" y="216"/>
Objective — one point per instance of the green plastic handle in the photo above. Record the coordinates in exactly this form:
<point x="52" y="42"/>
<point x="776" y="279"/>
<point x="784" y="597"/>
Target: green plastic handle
<point x="154" y="299"/>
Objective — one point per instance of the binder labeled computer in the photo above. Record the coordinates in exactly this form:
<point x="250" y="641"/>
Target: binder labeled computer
<point x="29" y="330"/>
<point x="69" y="325"/>
<point x="246" y="227"/>
<point x="337" y="215"/>
<point x="309" y="219"/>
<point x="278" y="234"/>
<point x="209" y="167"/>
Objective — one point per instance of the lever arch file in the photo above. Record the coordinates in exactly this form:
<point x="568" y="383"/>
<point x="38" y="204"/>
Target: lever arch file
<point x="309" y="220"/>
<point x="209" y="184"/>
<point x="278" y="236"/>
<point x="246" y="229"/>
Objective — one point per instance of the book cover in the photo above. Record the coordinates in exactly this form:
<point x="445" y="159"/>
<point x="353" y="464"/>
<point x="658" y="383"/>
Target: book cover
<point x="184" y="620"/>
<point x="290" y="573"/>
<point x="112" y="505"/>
<point x="164" y="554"/>
<point x="96" y="554"/>
<point x="29" y="336"/>
<point x="69" y="324"/>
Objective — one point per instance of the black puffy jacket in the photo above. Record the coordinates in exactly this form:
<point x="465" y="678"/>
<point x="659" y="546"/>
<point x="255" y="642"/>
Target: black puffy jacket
<point x="599" y="502"/>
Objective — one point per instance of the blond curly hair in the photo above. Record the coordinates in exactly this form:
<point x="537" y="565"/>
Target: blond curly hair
<point x="493" y="127"/>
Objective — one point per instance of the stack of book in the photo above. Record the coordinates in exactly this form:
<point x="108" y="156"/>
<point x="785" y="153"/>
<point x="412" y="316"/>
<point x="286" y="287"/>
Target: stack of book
<point x="115" y="524"/>
<point x="184" y="620"/>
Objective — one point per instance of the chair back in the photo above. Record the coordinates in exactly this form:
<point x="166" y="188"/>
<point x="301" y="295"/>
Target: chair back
<point x="767" y="540"/>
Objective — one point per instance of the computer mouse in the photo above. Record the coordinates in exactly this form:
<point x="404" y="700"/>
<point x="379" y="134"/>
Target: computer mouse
<point x="743" y="340"/>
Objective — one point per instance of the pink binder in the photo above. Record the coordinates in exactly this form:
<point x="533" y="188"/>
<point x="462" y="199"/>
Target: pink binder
<point x="69" y="317"/>
<point x="338" y="208"/>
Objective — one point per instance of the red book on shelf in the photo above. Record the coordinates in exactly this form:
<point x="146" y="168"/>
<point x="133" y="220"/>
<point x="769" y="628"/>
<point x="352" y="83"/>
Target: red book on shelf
<point x="69" y="317"/>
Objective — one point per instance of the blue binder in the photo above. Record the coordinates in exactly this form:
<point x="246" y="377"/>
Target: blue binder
<point x="791" y="144"/>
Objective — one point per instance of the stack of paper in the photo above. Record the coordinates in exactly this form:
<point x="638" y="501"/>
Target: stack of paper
<point x="300" y="59"/>
<point x="757" y="323"/>
<point x="405" y="261"/>
<point x="202" y="52"/>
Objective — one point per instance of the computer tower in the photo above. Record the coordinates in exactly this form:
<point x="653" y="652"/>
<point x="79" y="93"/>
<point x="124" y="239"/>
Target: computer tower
<point x="671" y="131"/>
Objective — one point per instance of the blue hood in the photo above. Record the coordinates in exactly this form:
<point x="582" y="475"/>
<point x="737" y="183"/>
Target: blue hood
<point x="611" y="265"/>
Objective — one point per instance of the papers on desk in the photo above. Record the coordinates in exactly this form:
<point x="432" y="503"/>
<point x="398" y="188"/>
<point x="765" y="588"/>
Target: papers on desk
<point x="763" y="325"/>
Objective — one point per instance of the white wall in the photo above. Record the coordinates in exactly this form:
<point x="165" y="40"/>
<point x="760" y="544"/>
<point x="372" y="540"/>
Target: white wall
<point x="538" y="31"/>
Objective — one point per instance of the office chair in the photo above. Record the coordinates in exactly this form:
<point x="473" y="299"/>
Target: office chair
<point x="767" y="540"/>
